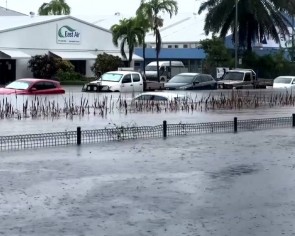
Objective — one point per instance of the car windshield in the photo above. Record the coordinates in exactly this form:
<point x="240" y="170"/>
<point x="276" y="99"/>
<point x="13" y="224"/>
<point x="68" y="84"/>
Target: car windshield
<point x="151" y="68"/>
<point x="182" y="79"/>
<point x="234" y="76"/>
<point x="114" y="77"/>
<point x="19" y="85"/>
<point x="283" y="80"/>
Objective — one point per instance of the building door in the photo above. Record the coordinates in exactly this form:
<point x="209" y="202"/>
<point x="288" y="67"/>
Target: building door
<point x="7" y="71"/>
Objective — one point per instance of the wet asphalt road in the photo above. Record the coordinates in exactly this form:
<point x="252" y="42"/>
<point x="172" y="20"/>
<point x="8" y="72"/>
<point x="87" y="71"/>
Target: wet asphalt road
<point x="223" y="184"/>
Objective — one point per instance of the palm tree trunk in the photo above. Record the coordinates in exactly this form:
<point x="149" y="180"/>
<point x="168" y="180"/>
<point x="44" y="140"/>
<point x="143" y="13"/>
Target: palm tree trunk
<point x="157" y="58"/>
<point x="249" y="43"/>
<point x="143" y="54"/>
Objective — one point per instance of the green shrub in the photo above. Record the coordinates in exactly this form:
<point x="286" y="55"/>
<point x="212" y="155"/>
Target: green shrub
<point x="46" y="66"/>
<point x="105" y="62"/>
<point x="69" y="76"/>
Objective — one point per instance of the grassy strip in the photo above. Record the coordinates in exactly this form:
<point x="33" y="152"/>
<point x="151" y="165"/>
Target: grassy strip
<point x="73" y="82"/>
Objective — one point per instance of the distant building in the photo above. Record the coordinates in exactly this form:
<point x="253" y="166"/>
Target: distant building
<point x="65" y="37"/>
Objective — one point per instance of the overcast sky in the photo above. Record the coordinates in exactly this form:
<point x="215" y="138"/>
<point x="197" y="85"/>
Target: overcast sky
<point x="94" y="7"/>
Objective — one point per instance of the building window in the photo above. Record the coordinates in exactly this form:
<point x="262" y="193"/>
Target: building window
<point x="176" y="46"/>
<point x="185" y="46"/>
<point x="169" y="46"/>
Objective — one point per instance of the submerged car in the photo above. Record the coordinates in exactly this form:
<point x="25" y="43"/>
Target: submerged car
<point x="158" y="96"/>
<point x="116" y="81"/>
<point x="32" y="86"/>
<point x="284" y="82"/>
<point x="191" y="81"/>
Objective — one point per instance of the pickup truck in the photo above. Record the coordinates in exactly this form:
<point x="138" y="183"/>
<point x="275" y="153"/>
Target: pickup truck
<point x="240" y="79"/>
<point x="116" y="81"/>
<point x="122" y="81"/>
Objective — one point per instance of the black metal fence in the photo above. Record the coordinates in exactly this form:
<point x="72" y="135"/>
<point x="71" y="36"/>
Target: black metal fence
<point x="78" y="137"/>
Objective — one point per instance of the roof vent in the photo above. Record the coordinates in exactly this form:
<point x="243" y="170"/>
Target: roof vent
<point x="32" y="14"/>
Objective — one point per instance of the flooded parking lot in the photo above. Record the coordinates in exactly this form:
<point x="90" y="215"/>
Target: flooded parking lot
<point x="222" y="184"/>
<point x="118" y="117"/>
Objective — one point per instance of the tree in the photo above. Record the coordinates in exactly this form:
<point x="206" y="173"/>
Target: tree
<point x="217" y="55"/>
<point x="55" y="7"/>
<point x="144" y="23"/>
<point x="130" y="34"/>
<point x="256" y="19"/>
<point x="45" y="66"/>
<point x="150" y="10"/>
<point x="104" y="63"/>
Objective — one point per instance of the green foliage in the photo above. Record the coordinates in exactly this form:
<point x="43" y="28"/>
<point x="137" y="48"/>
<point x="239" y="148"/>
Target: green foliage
<point x="149" y="10"/>
<point x="130" y="34"/>
<point x="69" y="76"/>
<point x="45" y="66"/>
<point x="268" y="66"/>
<point x="217" y="55"/>
<point x="55" y="7"/>
<point x="256" y="19"/>
<point x="105" y="62"/>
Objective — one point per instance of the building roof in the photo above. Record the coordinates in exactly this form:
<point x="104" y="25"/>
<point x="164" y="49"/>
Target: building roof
<point x="8" y="23"/>
<point x="104" y="21"/>
<point x="172" y="53"/>
<point x="184" y="27"/>
<point x="7" y="12"/>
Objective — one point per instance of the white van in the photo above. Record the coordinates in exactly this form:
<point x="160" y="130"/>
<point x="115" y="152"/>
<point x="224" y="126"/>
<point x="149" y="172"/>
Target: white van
<point x="167" y="69"/>
<point x="116" y="81"/>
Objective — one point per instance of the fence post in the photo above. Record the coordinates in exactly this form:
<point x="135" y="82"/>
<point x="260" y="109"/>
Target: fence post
<point x="164" y="129"/>
<point x="293" y="120"/>
<point x="78" y="135"/>
<point x="235" y="124"/>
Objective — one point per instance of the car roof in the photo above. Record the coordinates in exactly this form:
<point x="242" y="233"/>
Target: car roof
<point x="242" y="70"/>
<point x="35" y="79"/>
<point x="164" y="94"/>
<point x="189" y="73"/>
<point x="122" y="72"/>
<point x="286" y="76"/>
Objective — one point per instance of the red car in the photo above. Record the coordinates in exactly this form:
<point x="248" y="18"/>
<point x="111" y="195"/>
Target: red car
<point x="31" y="86"/>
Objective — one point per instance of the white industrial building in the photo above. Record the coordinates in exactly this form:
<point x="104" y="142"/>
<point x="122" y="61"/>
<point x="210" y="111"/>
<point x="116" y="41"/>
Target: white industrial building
<point x="66" y="37"/>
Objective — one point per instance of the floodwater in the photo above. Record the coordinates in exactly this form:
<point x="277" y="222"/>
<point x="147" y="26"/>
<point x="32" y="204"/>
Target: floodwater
<point x="223" y="184"/>
<point x="13" y="126"/>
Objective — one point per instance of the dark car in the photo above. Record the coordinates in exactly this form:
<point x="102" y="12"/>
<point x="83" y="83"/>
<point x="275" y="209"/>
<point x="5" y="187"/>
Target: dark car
<point x="32" y="86"/>
<point x="191" y="81"/>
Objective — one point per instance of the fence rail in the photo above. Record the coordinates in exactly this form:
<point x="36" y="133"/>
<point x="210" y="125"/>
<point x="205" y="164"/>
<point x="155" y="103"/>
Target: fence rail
<point x="18" y="142"/>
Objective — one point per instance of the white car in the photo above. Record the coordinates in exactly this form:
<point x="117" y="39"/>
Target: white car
<point x="284" y="82"/>
<point x="158" y="96"/>
<point x="116" y="81"/>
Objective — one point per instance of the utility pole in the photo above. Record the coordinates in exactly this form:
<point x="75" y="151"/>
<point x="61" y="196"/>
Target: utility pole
<point x="236" y="35"/>
<point x="292" y="52"/>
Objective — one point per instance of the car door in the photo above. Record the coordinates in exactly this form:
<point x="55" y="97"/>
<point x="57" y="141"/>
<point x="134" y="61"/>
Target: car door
<point x="43" y="87"/>
<point x="126" y="84"/>
<point x="197" y="83"/>
<point x="210" y="82"/>
<point x="137" y="82"/>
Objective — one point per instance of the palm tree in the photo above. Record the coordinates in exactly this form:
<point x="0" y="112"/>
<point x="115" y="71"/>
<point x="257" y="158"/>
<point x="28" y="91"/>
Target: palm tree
<point x="144" y="23"/>
<point x="150" y="10"/>
<point x="55" y="7"/>
<point x="256" y="19"/>
<point x="129" y="34"/>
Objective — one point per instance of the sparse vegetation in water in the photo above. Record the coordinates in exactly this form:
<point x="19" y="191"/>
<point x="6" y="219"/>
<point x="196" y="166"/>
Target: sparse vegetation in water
<point x="104" y="106"/>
